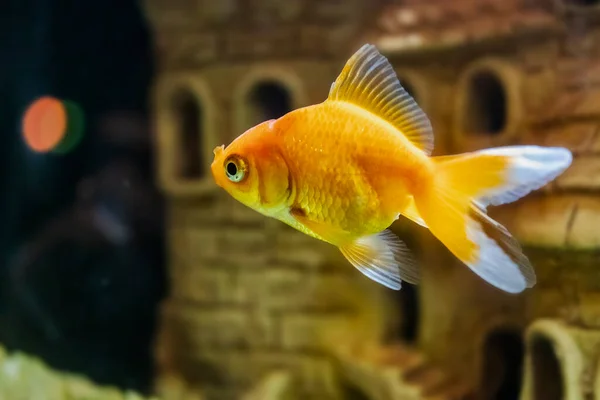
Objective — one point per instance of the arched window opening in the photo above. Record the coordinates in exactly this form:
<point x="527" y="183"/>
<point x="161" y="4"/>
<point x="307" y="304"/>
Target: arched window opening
<point x="547" y="373"/>
<point x="502" y="366"/>
<point x="267" y="100"/>
<point x="409" y="307"/>
<point x="486" y="108"/>
<point x="188" y="117"/>
<point x="405" y="327"/>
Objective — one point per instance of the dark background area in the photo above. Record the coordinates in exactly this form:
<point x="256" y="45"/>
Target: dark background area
<point x="81" y="251"/>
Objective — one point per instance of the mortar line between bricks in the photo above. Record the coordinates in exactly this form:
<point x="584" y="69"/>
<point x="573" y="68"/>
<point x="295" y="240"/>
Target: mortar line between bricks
<point x="215" y="306"/>
<point x="570" y="223"/>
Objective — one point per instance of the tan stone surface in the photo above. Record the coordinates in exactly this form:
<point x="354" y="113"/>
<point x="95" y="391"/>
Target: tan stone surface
<point x="302" y="331"/>
<point x="573" y="102"/>
<point x="277" y="386"/>
<point x="538" y="57"/>
<point x="574" y="273"/>
<point x="250" y="242"/>
<point x="576" y="137"/>
<point x="193" y="211"/>
<point x="589" y="309"/>
<point x="292" y="248"/>
<point x="595" y="146"/>
<point x="569" y="221"/>
<point x="204" y="244"/>
<point x="584" y="174"/>
<point x="402" y="373"/>
<point x="196" y="50"/>
<point x="245" y="369"/>
<point x="538" y="87"/>
<point x="219" y="327"/>
<point x="231" y="210"/>
<point x="293" y="289"/>
<point x="204" y="285"/>
<point x="548" y="301"/>
<point x="585" y="228"/>
<point x="436" y="24"/>
<point x="541" y="220"/>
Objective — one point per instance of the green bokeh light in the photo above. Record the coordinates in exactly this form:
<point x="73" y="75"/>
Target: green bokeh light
<point x="75" y="128"/>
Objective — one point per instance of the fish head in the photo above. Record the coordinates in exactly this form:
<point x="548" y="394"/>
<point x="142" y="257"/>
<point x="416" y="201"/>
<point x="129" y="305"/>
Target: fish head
<point x="252" y="169"/>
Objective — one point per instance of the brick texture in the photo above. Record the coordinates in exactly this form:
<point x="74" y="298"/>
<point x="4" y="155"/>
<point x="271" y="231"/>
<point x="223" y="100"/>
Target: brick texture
<point x="303" y="331"/>
<point x="204" y="285"/>
<point x="220" y="327"/>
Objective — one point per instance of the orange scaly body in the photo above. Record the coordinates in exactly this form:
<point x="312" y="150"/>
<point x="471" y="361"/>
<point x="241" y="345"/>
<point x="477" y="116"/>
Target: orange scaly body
<point x="343" y="170"/>
<point x="348" y="168"/>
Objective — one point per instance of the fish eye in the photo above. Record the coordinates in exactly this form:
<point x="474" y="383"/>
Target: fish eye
<point x="235" y="169"/>
<point x="231" y="168"/>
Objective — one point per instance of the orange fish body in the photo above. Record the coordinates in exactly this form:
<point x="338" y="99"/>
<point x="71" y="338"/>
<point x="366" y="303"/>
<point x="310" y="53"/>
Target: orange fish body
<point x="344" y="170"/>
<point x="346" y="175"/>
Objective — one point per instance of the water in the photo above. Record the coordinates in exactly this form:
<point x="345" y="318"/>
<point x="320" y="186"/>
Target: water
<point x="127" y="272"/>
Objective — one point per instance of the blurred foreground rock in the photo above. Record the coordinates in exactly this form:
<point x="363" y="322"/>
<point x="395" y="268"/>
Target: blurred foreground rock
<point x="24" y="377"/>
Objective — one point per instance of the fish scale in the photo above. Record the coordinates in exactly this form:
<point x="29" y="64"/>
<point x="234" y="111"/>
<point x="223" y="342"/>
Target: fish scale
<point x="330" y="180"/>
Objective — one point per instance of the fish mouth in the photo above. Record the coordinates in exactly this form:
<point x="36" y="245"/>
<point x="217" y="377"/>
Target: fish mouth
<point x="219" y="150"/>
<point x="215" y="167"/>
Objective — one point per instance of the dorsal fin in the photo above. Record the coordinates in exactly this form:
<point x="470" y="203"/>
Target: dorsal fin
<point x="368" y="80"/>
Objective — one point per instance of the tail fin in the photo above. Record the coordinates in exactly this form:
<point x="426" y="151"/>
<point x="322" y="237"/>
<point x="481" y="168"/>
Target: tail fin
<point x="454" y="208"/>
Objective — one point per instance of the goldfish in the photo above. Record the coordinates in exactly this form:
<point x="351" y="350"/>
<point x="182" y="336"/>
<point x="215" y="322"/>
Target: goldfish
<point x="343" y="170"/>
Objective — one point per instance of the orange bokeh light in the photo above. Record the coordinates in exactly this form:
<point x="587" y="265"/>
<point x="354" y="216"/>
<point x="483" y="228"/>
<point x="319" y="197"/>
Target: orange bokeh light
<point x="44" y="124"/>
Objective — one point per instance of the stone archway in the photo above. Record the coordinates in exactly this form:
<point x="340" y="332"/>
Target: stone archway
<point x="486" y="104"/>
<point x="503" y="353"/>
<point x="547" y="372"/>
<point x="185" y="133"/>
<point x="188" y="116"/>
<point x="488" y="107"/>
<point x="264" y="93"/>
<point x="268" y="99"/>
